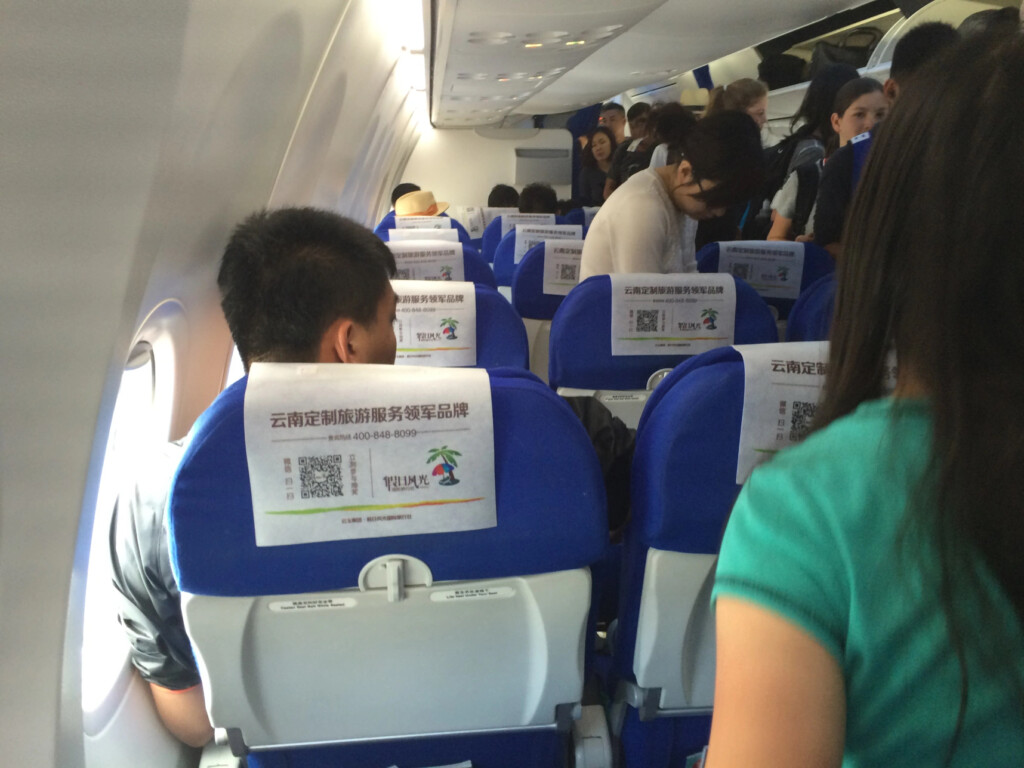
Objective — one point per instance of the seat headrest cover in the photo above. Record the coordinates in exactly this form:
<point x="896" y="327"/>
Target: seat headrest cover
<point x="436" y="323"/>
<point x="778" y="271"/>
<point x="428" y="260"/>
<point x="550" y="506"/>
<point x="581" y="346"/>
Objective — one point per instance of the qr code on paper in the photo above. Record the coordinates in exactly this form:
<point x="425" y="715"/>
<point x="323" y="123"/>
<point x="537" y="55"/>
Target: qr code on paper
<point x="741" y="270"/>
<point x="568" y="272"/>
<point x="402" y="274"/>
<point x="321" y="476"/>
<point x="647" y="320"/>
<point x="803" y="415"/>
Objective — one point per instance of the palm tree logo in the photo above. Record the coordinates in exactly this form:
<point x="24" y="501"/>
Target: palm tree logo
<point x="446" y="272"/>
<point x="448" y="326"/>
<point x="709" y="315"/>
<point x="446" y="457"/>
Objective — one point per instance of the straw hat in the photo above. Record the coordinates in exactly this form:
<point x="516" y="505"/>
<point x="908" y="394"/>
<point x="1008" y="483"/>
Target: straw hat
<point x="420" y="203"/>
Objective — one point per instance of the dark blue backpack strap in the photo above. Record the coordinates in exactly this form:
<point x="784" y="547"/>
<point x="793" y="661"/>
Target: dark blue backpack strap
<point x="861" y="148"/>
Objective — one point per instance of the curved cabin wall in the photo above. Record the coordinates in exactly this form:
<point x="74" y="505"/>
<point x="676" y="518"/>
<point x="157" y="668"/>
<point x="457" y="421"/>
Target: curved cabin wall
<point x="135" y="136"/>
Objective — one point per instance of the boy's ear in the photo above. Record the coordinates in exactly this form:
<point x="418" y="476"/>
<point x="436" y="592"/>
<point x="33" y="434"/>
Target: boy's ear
<point x="338" y="344"/>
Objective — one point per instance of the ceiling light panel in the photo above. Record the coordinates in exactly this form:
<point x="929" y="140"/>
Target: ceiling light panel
<point x="676" y="37"/>
<point x="513" y="51"/>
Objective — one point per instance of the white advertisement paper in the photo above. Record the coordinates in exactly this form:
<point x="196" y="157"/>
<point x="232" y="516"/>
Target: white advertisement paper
<point x="782" y="387"/>
<point x="490" y="214"/>
<point x="510" y="220"/>
<point x="427" y="260"/>
<point x="447" y="235"/>
<point x="436" y="323"/>
<point x="680" y="314"/>
<point x="358" y="451"/>
<point x="589" y="212"/>
<point x="773" y="269"/>
<point x="561" y="266"/>
<point x="423" y="222"/>
<point x="470" y="217"/>
<point x="529" y="235"/>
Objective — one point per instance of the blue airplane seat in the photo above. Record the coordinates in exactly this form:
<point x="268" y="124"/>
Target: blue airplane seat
<point x="449" y="690"/>
<point x="811" y="318"/>
<point x="581" y="357"/>
<point x="477" y="270"/>
<point x="501" y="339"/>
<point x="528" y="295"/>
<point x="817" y="263"/>
<point x="504" y="258"/>
<point x="491" y="238"/>
<point x="683" y="487"/>
<point x="576" y="216"/>
<point x="388" y="223"/>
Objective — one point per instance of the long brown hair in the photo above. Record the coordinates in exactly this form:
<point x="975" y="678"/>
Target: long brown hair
<point x="932" y="267"/>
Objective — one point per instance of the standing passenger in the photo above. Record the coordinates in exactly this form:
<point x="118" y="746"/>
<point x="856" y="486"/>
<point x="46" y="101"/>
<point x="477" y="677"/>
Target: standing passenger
<point x="596" y="161"/>
<point x="613" y="116"/>
<point x="812" y="127"/>
<point x="634" y="155"/>
<point x="743" y="95"/>
<point x="649" y="224"/>
<point x="870" y="589"/>
<point x="838" y="181"/>
<point x="859" y="105"/>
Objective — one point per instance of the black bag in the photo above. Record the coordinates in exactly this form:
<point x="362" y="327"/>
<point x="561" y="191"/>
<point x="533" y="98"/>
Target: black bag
<point x="807" y="177"/>
<point x="757" y="221"/>
<point x="854" y="49"/>
<point x="777" y="70"/>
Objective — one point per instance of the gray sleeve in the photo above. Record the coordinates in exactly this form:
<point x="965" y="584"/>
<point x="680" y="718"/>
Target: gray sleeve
<point x="784" y="201"/>
<point x="149" y="608"/>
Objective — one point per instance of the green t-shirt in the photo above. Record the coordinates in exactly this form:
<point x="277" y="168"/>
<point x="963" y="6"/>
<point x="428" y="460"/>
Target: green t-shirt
<point x="815" y="536"/>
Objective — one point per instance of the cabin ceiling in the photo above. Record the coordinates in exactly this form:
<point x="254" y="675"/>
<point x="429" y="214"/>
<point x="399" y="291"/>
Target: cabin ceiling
<point x="498" y="58"/>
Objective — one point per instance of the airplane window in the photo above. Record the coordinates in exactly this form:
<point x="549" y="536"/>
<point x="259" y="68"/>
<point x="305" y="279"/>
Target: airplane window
<point x="235" y="368"/>
<point x="104" y="646"/>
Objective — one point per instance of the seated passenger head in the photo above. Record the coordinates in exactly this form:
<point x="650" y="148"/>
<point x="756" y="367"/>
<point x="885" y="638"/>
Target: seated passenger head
<point x="503" y="196"/>
<point x="419" y="203"/>
<point x="814" y="117"/>
<point x="613" y="115"/>
<point x="743" y="95"/>
<point x="859" y="105"/>
<point x="917" y="47"/>
<point x="637" y="119"/>
<point x="402" y="189"/>
<point x="719" y="162"/>
<point x="994" y="21"/>
<point x="303" y="285"/>
<point x="538" y="198"/>
<point x="600" y="147"/>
